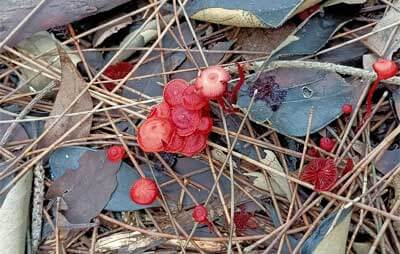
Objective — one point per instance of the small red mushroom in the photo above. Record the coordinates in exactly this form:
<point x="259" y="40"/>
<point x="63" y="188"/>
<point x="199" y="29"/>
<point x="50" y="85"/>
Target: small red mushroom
<point x="144" y="191"/>
<point x="322" y="173"/>
<point x="200" y="214"/>
<point x="117" y="71"/>
<point x="347" y="109"/>
<point x="385" y="69"/>
<point x="115" y="153"/>
<point x="327" y="144"/>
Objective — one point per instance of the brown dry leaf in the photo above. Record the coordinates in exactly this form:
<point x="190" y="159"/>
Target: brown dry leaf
<point x="260" y="39"/>
<point x="87" y="189"/>
<point x="71" y="86"/>
<point x="390" y="36"/>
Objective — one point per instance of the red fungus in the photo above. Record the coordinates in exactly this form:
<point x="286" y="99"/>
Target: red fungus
<point x="144" y="191"/>
<point x="384" y="69"/>
<point x="192" y="100"/>
<point x="161" y="110"/>
<point x="212" y="82"/>
<point x="115" y="153"/>
<point x="244" y="220"/>
<point x="313" y="152"/>
<point x="194" y="144"/>
<point x="349" y="166"/>
<point x="236" y="89"/>
<point x="205" y="125"/>
<point x="154" y="133"/>
<point x="200" y="215"/>
<point x="185" y="119"/>
<point x="322" y="173"/>
<point x="326" y="144"/>
<point x="173" y="91"/>
<point x="117" y="71"/>
<point x="347" y="109"/>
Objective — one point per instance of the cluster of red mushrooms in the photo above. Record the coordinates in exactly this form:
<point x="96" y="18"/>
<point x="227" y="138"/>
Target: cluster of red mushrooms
<point x="181" y="124"/>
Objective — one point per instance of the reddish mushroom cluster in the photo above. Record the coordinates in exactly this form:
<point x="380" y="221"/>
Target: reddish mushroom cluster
<point x="182" y="122"/>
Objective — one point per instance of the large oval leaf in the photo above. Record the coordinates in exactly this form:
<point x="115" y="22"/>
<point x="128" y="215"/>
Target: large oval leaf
<point x="286" y="95"/>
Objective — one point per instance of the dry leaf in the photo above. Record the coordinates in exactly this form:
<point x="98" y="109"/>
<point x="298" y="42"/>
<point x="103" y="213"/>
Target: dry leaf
<point x="379" y="40"/>
<point x="87" y="189"/>
<point x="101" y="35"/>
<point x="14" y="214"/>
<point x="44" y="44"/>
<point x="279" y="184"/>
<point x="253" y="39"/>
<point x="71" y="86"/>
<point x="328" y="238"/>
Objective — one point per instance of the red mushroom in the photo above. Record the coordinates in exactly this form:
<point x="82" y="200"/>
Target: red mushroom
<point x="115" y="153"/>
<point x="322" y="173"/>
<point x="144" y="191"/>
<point x="347" y="109"/>
<point x="327" y="144"/>
<point x="384" y="69"/>
<point x="117" y="71"/>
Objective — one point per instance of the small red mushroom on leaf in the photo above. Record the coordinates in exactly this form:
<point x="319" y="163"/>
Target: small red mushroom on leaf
<point x="144" y="191"/>
<point x="115" y="153"/>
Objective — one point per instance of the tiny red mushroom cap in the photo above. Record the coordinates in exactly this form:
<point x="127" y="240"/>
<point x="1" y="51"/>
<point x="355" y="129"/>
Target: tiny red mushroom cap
<point x="144" y="191"/>
<point x="327" y="144"/>
<point x="347" y="109"/>
<point x="115" y="153"/>
<point x="200" y="214"/>
<point x="385" y="68"/>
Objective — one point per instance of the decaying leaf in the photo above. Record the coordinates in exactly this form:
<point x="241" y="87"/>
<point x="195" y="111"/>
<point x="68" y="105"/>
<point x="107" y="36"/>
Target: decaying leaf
<point x="361" y="247"/>
<point x="328" y="238"/>
<point x="38" y="44"/>
<point x="18" y="133"/>
<point x="67" y="159"/>
<point x="389" y="160"/>
<point x="87" y="189"/>
<point x="14" y="215"/>
<point x="253" y="13"/>
<point x="71" y="86"/>
<point x="279" y="184"/>
<point x="396" y="186"/>
<point x="253" y="39"/>
<point x="101" y="35"/>
<point x="51" y="14"/>
<point x="379" y="40"/>
<point x="303" y="40"/>
<point x="286" y="95"/>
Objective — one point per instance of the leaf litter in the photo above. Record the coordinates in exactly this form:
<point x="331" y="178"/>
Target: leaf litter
<point x="305" y="122"/>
